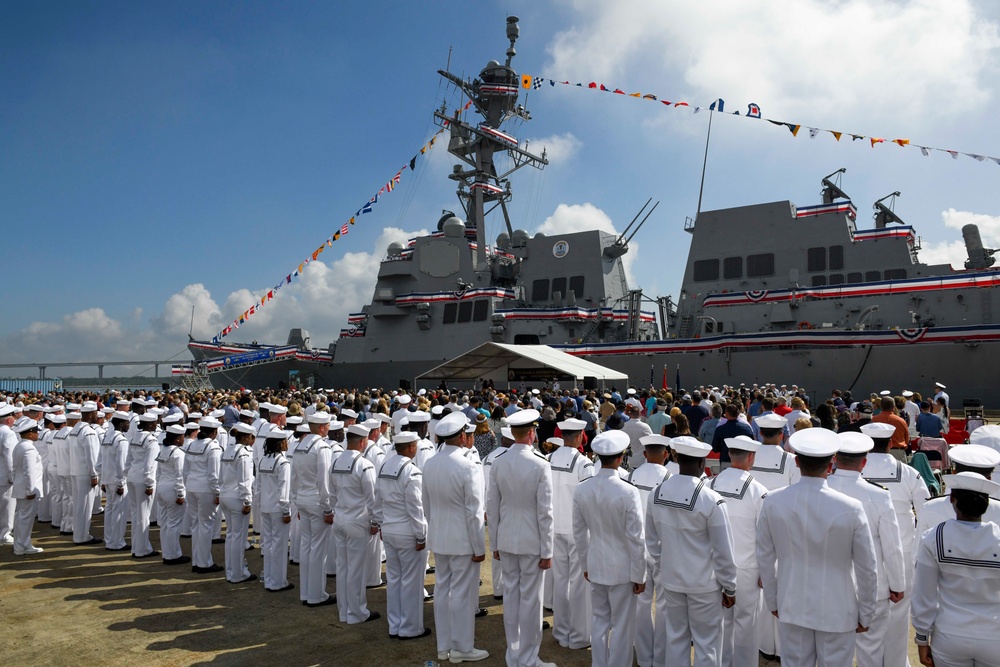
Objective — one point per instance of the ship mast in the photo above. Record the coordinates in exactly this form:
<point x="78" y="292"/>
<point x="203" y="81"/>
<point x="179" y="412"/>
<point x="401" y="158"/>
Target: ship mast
<point x="494" y="96"/>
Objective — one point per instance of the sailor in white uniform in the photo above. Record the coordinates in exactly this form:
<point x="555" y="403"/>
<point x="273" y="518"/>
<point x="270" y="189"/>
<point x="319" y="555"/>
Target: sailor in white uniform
<point x="520" y="506"/>
<point x="299" y="428"/>
<point x="275" y="479"/>
<point x="506" y="440"/>
<point x="453" y="504"/>
<point x="139" y="483"/>
<point x="400" y="513"/>
<point x="402" y="413"/>
<point x="114" y="452"/>
<point x="571" y="614"/>
<point x="8" y="440"/>
<point x="236" y="468"/>
<point x="956" y="593"/>
<point x="909" y="493"/>
<point x="311" y="495"/>
<point x="965" y="458"/>
<point x="417" y="422"/>
<point x="336" y="439"/>
<point x="26" y="490"/>
<point x="382" y="439"/>
<point x="816" y="559"/>
<point x="609" y="535"/>
<point x="690" y="547"/>
<point x="58" y="461"/>
<point x="649" y="647"/>
<point x="171" y="493"/>
<point x="373" y="452"/>
<point x="201" y="478"/>
<point x="84" y="452"/>
<point x="190" y="435"/>
<point x="744" y="498"/>
<point x="44" y="447"/>
<point x="851" y="459"/>
<point x="276" y="417"/>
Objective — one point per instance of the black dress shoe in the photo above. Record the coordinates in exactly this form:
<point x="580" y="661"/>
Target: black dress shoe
<point x="372" y="616"/>
<point x="498" y="597"/>
<point x="153" y="524"/>
<point x="252" y="577"/>
<point x="546" y="625"/>
<point x="219" y="540"/>
<point x="207" y="570"/>
<point x="149" y="555"/>
<point x="431" y="570"/>
<point x="294" y="562"/>
<point x="92" y="540"/>
<point x="482" y="612"/>
<point x="65" y="532"/>
<point x="428" y="597"/>
<point x="425" y="633"/>
<point x="180" y="560"/>
<point x="330" y="600"/>
<point x="393" y="636"/>
<point x="127" y="547"/>
<point x="287" y="587"/>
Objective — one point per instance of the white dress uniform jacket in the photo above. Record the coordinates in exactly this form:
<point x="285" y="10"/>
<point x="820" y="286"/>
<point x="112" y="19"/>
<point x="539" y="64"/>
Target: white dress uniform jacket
<point x="352" y="491"/>
<point x="645" y="478"/>
<point x="201" y="477"/>
<point x="425" y="450"/>
<point x="274" y="476"/>
<point x="169" y="488"/>
<point x="939" y="510"/>
<point x="311" y="495"/>
<point x="236" y="468"/>
<point x="26" y="471"/>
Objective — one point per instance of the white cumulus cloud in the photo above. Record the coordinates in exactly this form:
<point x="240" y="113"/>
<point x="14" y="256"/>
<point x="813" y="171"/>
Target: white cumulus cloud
<point x="954" y="252"/>
<point x="559" y="148"/>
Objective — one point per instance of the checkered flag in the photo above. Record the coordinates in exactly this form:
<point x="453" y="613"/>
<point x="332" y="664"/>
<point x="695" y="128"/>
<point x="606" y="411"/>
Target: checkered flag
<point x="537" y="82"/>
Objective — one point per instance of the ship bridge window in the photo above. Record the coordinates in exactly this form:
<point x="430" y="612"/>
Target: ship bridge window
<point x="706" y="269"/>
<point x="895" y="274"/>
<point x="854" y="277"/>
<point x="818" y="281"/>
<point x="464" y="311"/>
<point x="873" y="276"/>
<point x="760" y="266"/>
<point x="576" y="286"/>
<point x="836" y="257"/>
<point x="540" y="290"/>
<point x="732" y="268"/>
<point x="480" y="310"/>
<point x="816" y="259"/>
<point x="450" y="313"/>
<point x="836" y="278"/>
<point x="559" y="285"/>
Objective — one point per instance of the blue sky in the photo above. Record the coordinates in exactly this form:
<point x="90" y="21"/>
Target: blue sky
<point x="155" y="156"/>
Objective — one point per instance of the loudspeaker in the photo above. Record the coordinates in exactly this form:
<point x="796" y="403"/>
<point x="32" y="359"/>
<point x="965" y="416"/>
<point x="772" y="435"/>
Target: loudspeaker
<point x="589" y="382"/>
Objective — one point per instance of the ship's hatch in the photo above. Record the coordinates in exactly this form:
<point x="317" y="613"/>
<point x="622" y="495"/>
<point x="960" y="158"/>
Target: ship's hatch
<point x="439" y="259"/>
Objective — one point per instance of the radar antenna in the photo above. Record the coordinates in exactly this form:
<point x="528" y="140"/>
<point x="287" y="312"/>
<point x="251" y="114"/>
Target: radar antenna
<point x="832" y="190"/>
<point x="884" y="214"/>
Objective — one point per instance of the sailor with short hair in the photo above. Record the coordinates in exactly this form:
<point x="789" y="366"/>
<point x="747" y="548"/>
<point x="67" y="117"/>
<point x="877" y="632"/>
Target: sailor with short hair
<point x="373" y="452"/>
<point x="114" y="453"/>
<point x="202" y="479"/>
<point x="26" y="489"/>
<point x="44" y="447"/>
<point x="418" y="422"/>
<point x="979" y="459"/>
<point x="275" y="510"/>
<point x="506" y="440"/>
<point x="649" y="647"/>
<point x="139" y="483"/>
<point x="276" y="416"/>
<point x="236" y="469"/>
<point x="399" y="511"/>
<point x="403" y="412"/>
<point x="170" y="492"/>
<point x="851" y="459"/>
<point x="311" y="495"/>
<point x="59" y="470"/>
<point x="609" y="535"/>
<point x="744" y="498"/>
<point x="690" y="546"/>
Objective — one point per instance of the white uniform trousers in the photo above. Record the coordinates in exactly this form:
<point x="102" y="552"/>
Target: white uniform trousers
<point x="255" y="509"/>
<point x="116" y="519"/>
<point x="522" y="607"/>
<point x="802" y="647"/>
<point x="7" y="510"/>
<point x="237" y="525"/>
<point x="83" y="501"/>
<point x="497" y="574"/>
<point x="897" y="634"/>
<point x="373" y="563"/>
<point x="312" y="563"/>
<point x="203" y="512"/>
<point x="739" y="625"/>
<point x="140" y="504"/>
<point x="24" y="521"/>
<point x="645" y="638"/>
<point x="353" y="553"/>
<point x="951" y="651"/>
<point x="294" y="534"/>
<point x="274" y="549"/>
<point x="45" y="502"/>
<point x="154" y="512"/>
<point x="55" y="500"/>
<point x="171" y="515"/>
<point x="613" y="632"/>
<point x="768" y="639"/>
<point x="404" y="588"/>
<point x="691" y="617"/>
<point x="331" y="553"/>
<point x="217" y="524"/>
<point x="571" y="615"/>
<point x="188" y="521"/>
<point x="98" y="506"/>
<point x="547" y="588"/>
<point x="456" y="599"/>
<point x="66" y="521"/>
<point x="871" y="644"/>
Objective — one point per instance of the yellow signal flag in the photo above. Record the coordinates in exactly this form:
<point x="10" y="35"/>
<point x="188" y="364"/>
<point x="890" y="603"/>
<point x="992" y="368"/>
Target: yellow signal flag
<point x="526" y="80"/>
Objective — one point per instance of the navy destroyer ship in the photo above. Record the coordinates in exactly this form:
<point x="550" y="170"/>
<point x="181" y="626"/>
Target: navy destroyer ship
<point x="775" y="292"/>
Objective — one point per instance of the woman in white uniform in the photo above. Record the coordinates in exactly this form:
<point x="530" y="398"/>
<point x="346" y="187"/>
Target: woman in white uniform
<point x="275" y="475"/>
<point x="956" y="592"/>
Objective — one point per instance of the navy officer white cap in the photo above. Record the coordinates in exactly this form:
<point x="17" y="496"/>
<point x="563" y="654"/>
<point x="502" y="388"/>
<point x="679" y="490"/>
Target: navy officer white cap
<point x="505" y="432"/>
<point x="878" y="430"/>
<point x="770" y="421"/>
<point x="610" y="443"/>
<point x="691" y="446"/>
<point x="451" y="424"/>
<point x="572" y="424"/>
<point x="973" y="481"/>
<point x="243" y="428"/>
<point x="405" y="437"/>
<point x="437" y="410"/>
<point x="817" y="442"/>
<point x="523" y="418"/>
<point x="358" y="429"/>
<point x="655" y="439"/>
<point x="852" y="442"/>
<point x="24" y="424"/>
<point x="976" y="456"/>
<point x="743" y="442"/>
<point x="939" y="385"/>
<point x="907" y="393"/>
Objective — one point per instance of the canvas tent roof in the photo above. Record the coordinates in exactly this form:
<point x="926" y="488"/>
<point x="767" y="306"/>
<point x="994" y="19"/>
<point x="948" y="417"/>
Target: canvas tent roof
<point x="489" y="358"/>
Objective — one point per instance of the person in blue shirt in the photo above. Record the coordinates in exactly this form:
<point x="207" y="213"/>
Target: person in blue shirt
<point x="928" y="424"/>
<point x="731" y="428"/>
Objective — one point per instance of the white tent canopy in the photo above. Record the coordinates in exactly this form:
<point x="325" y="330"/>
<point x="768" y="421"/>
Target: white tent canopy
<point x="503" y="362"/>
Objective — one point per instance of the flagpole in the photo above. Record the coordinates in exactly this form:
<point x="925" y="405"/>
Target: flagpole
<point x="704" y="164"/>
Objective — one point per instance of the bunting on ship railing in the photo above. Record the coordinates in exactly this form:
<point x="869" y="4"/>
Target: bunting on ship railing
<point x="296" y="273"/>
<point x="753" y="111"/>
